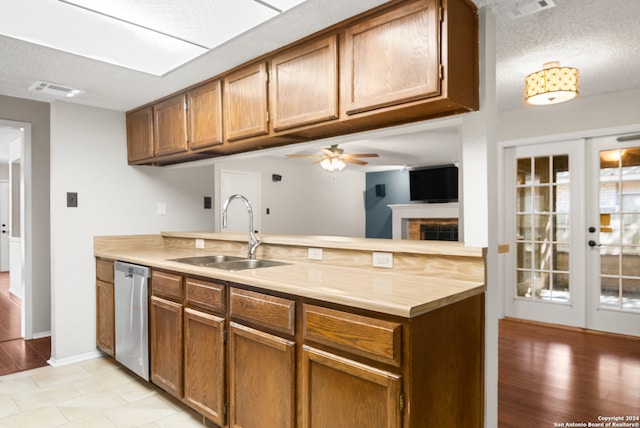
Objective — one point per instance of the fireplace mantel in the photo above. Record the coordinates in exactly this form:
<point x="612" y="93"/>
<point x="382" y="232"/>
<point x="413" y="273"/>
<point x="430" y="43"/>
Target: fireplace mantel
<point x="402" y="212"/>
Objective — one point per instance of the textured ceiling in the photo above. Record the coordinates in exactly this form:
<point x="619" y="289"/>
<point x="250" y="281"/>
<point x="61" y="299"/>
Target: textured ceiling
<point x="599" y="37"/>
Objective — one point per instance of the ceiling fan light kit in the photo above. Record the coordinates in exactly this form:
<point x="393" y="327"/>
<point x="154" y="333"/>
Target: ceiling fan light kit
<point x="332" y="165"/>
<point x="551" y="85"/>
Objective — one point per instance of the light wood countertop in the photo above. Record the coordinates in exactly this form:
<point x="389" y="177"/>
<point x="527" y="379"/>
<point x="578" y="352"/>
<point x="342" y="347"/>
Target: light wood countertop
<point x="344" y="242"/>
<point x="377" y="289"/>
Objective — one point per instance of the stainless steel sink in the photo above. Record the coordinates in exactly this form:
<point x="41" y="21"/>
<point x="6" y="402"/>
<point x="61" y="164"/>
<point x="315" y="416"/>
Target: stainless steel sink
<point x="206" y="261"/>
<point x="246" y="264"/>
<point x="230" y="263"/>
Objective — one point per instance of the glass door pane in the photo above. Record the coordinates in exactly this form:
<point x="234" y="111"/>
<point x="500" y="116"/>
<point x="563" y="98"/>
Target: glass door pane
<point x="542" y="228"/>
<point x="620" y="229"/>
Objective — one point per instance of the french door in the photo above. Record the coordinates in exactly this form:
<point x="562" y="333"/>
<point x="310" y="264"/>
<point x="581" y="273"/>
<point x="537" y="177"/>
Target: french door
<point x="544" y="223"/>
<point x="572" y="217"/>
<point x="613" y="228"/>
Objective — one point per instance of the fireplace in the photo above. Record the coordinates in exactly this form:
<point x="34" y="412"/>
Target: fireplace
<point x="433" y="229"/>
<point x="426" y="221"/>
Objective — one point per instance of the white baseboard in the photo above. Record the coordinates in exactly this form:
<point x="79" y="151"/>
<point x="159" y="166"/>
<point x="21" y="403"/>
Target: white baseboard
<point x="41" y="334"/>
<point x="15" y="293"/>
<point x="53" y="362"/>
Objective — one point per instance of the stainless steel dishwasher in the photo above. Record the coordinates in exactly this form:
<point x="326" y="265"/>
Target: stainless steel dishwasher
<point x="131" y="312"/>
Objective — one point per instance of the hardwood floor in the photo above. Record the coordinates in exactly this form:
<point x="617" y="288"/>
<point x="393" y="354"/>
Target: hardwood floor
<point x="17" y="354"/>
<point x="551" y="376"/>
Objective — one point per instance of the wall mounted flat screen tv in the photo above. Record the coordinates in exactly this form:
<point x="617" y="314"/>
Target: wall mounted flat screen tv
<point x="434" y="184"/>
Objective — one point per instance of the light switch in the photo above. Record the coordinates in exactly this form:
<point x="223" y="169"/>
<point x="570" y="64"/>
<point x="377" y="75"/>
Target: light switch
<point x="72" y="200"/>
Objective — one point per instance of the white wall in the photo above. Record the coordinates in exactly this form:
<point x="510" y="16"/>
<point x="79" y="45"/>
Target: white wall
<point x="88" y="156"/>
<point x="584" y="116"/>
<point x="308" y="200"/>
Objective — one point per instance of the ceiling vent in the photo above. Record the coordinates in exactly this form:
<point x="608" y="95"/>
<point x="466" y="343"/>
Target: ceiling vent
<point x="55" y="89"/>
<point x="529" y="7"/>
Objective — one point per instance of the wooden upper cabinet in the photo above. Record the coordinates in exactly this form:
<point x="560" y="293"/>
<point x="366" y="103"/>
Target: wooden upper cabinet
<point x="171" y="126"/>
<point x="304" y="84"/>
<point x="392" y="58"/>
<point x="140" y="134"/>
<point x="245" y="102"/>
<point x="205" y="115"/>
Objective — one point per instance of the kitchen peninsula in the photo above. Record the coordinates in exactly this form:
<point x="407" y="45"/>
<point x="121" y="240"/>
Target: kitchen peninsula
<point x="311" y="343"/>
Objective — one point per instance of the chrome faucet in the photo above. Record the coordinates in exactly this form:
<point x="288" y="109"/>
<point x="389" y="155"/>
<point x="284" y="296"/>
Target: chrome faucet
<point x="253" y="240"/>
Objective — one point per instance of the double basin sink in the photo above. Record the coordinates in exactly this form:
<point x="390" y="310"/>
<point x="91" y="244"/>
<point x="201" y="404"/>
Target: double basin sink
<point x="229" y="263"/>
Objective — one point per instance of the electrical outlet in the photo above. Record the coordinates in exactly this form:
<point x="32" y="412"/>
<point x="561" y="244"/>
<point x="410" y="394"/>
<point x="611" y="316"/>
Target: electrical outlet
<point x="384" y="260"/>
<point x="162" y="208"/>
<point x="199" y="243"/>
<point x="315" y="253"/>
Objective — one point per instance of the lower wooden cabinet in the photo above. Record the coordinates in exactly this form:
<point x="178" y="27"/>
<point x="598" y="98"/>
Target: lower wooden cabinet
<point x="339" y="392"/>
<point x="290" y="362"/>
<point x="165" y="324"/>
<point x="105" y="309"/>
<point x="261" y="379"/>
<point x="204" y="364"/>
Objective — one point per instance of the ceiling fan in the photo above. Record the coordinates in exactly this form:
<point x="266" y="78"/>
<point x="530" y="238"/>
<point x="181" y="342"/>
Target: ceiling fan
<point x="335" y="159"/>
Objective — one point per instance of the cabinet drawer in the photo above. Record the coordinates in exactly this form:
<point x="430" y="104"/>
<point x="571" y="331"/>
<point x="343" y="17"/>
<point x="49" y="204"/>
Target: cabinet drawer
<point x="104" y="270"/>
<point x="167" y="285"/>
<point x="368" y="337"/>
<point x="269" y="311"/>
<point x="205" y="294"/>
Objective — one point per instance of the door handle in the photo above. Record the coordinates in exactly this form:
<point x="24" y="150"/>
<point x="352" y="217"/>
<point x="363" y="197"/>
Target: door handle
<point x="593" y="243"/>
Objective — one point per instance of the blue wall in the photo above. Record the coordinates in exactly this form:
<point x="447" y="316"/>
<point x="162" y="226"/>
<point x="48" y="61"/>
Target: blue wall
<point x="378" y="214"/>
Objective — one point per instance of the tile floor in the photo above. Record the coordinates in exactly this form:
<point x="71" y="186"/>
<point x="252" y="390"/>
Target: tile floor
<point x="95" y="393"/>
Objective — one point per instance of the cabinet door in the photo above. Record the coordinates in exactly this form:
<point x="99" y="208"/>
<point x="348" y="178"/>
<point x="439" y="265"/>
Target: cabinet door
<point x="165" y="322"/>
<point x="205" y="115"/>
<point x="245" y="100"/>
<point x="140" y="135"/>
<point x="261" y="379"/>
<point x="204" y="387"/>
<point x="171" y="126"/>
<point x="341" y="393"/>
<point x="393" y="58"/>
<point x="305" y="85"/>
<point x="105" y="320"/>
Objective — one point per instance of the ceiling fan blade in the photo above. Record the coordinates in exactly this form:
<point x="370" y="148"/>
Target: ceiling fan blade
<point x="356" y="161"/>
<point x="362" y="155"/>
<point x="328" y="152"/>
<point x="305" y="156"/>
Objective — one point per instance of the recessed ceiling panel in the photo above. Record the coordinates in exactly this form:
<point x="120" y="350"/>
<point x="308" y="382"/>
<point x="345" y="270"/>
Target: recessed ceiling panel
<point x="206" y="23"/>
<point x="152" y="36"/>
<point x="75" y="30"/>
<point x="282" y="4"/>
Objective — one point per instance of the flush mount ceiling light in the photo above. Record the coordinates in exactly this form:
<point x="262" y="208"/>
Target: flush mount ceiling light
<point x="551" y="85"/>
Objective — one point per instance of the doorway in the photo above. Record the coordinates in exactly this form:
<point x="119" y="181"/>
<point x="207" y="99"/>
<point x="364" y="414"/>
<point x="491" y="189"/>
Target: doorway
<point x="572" y="217"/>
